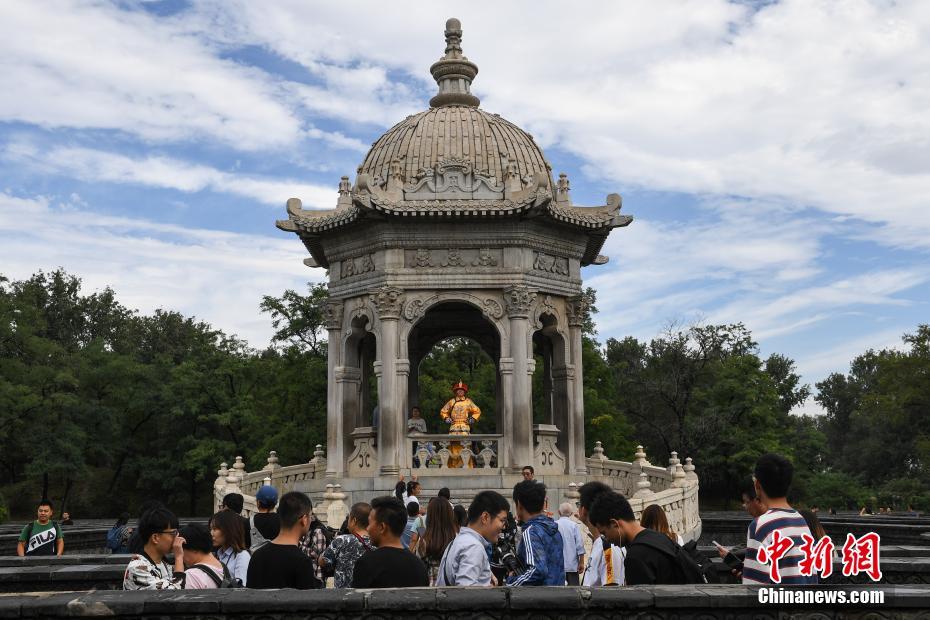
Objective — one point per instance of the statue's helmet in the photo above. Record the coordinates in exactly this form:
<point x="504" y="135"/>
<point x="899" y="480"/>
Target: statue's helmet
<point x="459" y="386"/>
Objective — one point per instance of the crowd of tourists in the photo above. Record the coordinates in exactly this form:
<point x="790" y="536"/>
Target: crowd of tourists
<point x="403" y="540"/>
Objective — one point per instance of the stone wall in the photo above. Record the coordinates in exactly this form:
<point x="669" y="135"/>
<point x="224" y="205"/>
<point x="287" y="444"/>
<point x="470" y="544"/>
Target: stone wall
<point x="683" y="602"/>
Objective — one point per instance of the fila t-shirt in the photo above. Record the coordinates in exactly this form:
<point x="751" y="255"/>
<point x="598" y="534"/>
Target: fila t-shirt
<point x="43" y="539"/>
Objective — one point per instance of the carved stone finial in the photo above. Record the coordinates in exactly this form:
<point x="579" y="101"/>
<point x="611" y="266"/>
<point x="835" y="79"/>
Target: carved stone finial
<point x="519" y="300"/>
<point x="689" y="469"/>
<point x="454" y="72"/>
<point x="344" y="186"/>
<point x="319" y="456"/>
<point x="643" y="486"/>
<point x="388" y="301"/>
<point x="239" y="468"/>
<point x="678" y="476"/>
<point x="640" y="457"/>
<point x="673" y="462"/>
<point x="272" y="461"/>
<point x="563" y="190"/>
<point x="598" y="452"/>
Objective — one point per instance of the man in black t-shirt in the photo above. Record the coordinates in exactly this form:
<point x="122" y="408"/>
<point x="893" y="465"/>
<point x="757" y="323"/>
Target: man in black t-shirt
<point x="280" y="564"/>
<point x="651" y="557"/>
<point x="390" y="565"/>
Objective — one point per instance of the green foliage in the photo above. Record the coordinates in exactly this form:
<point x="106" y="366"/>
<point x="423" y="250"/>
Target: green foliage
<point x="117" y="408"/>
<point x="4" y="510"/>
<point x="835" y="490"/>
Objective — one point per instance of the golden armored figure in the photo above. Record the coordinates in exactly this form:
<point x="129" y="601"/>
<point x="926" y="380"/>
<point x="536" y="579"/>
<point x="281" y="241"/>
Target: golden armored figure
<point x="460" y="413"/>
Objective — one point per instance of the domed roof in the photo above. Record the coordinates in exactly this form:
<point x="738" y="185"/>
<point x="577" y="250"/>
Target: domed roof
<point x="454" y="128"/>
<point x="486" y="141"/>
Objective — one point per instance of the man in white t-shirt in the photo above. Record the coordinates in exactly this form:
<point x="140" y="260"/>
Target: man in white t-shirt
<point x="605" y="566"/>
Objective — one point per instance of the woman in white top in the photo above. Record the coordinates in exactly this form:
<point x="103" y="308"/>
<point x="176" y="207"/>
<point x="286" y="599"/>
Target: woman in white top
<point x="229" y="541"/>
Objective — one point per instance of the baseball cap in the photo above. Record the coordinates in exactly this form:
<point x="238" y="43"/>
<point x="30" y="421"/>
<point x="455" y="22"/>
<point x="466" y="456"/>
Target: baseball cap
<point x="267" y="496"/>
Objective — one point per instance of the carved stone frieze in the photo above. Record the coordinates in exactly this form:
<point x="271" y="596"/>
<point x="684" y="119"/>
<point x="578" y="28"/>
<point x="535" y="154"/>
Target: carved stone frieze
<point x="518" y="301"/>
<point x="332" y="314"/>
<point x="357" y="266"/>
<point x="462" y="259"/>
<point x="550" y="264"/>
<point x="452" y="178"/>
<point x="388" y="301"/>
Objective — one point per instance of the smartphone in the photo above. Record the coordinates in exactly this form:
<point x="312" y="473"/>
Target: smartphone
<point x="730" y="558"/>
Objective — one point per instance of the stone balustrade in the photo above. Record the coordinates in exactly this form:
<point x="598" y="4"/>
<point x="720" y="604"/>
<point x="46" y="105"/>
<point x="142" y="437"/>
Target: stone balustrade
<point x="433" y="454"/>
<point x="674" y="488"/>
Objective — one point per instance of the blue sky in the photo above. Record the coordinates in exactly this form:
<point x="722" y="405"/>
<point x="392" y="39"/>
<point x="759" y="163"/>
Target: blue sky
<point x="776" y="155"/>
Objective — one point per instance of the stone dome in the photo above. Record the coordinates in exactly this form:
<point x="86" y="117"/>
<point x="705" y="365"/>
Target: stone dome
<point x="486" y="141"/>
<point x="454" y="128"/>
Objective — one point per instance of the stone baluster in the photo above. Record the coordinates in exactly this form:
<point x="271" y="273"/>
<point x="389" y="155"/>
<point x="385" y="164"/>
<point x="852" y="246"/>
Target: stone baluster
<point x="273" y="463"/>
<point x="640" y="457"/>
<point x="678" y="476"/>
<point x="322" y="510"/>
<point x="319" y="457"/>
<point x="232" y="483"/>
<point x="643" y="487"/>
<point x="689" y="470"/>
<point x="239" y="469"/>
<point x="571" y="494"/>
<point x="672" y="463"/>
<point x="219" y="486"/>
<point x="337" y="510"/>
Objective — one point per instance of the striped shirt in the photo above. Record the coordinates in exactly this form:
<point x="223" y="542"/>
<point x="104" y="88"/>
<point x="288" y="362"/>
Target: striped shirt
<point x="790" y="524"/>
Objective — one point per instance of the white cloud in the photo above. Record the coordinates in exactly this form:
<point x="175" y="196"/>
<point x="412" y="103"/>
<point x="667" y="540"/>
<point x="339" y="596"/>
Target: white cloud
<point x="165" y="172"/>
<point x="90" y="65"/>
<point x="217" y="276"/>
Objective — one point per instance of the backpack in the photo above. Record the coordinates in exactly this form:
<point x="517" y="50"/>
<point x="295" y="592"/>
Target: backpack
<point x="114" y="538"/>
<point x="258" y="541"/>
<point x="226" y="582"/>
<point x="328" y="533"/>
<point x="688" y="570"/>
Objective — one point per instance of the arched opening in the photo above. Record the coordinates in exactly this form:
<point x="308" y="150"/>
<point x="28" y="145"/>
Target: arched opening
<point x="359" y="383"/>
<point x="551" y="377"/>
<point x="452" y="341"/>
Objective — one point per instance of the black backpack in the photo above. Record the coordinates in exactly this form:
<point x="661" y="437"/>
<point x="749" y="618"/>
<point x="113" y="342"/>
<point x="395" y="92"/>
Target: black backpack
<point x="689" y="571"/>
<point x="328" y="533"/>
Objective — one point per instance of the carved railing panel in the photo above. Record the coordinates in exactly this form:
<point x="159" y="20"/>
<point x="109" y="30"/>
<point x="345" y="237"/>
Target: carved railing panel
<point x="434" y="453"/>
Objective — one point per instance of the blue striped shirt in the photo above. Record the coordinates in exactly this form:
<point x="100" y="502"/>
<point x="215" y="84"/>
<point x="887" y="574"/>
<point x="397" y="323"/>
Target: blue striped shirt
<point x="790" y="524"/>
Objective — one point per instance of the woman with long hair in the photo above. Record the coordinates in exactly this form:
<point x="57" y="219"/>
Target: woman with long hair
<point x="229" y="540"/>
<point x="654" y="519"/>
<point x="440" y="530"/>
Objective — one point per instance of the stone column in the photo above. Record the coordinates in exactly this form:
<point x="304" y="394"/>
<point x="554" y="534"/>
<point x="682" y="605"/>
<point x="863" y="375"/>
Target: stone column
<point x="388" y="301"/>
<point x="505" y="453"/>
<point x="577" y="308"/>
<point x="348" y="379"/>
<point x="518" y="301"/>
<point x="332" y="319"/>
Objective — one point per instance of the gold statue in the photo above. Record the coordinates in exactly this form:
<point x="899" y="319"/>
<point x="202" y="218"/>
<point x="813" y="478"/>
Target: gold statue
<point x="460" y="413"/>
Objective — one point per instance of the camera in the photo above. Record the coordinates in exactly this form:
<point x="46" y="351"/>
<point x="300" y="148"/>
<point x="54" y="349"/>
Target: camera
<point x="504" y="558"/>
